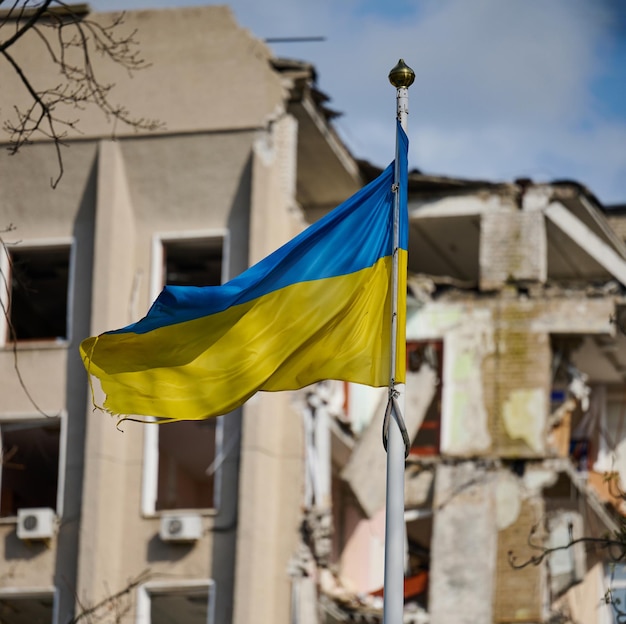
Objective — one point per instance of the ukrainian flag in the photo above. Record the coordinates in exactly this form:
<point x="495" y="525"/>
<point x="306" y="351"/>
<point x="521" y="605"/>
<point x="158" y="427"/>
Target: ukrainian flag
<point x="317" y="308"/>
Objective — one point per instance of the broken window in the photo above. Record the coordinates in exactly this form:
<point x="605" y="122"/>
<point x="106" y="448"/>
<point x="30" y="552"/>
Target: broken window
<point x="38" y="298"/>
<point x="193" y="262"/>
<point x="29" y="470"/>
<point x="27" y="608"/>
<point x="419" y="529"/>
<point x="181" y="456"/>
<point x="186" y="477"/>
<point x="188" y="605"/>
<point x="429" y="353"/>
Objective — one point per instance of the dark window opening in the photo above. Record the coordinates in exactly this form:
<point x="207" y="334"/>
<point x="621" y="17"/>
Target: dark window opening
<point x="29" y="471"/>
<point x="26" y="609"/>
<point x="419" y="536"/>
<point x="186" y="465"/>
<point x="39" y="289"/>
<point x="427" y="442"/>
<point x="193" y="262"/>
<point x="188" y="606"/>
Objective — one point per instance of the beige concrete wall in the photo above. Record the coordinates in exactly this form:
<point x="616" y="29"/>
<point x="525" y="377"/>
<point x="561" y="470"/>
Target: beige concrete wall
<point x="148" y="187"/>
<point x="107" y="451"/>
<point x="205" y="73"/>
<point x="133" y="189"/>
<point x="180" y="182"/>
<point x="272" y="453"/>
<point x="27" y="200"/>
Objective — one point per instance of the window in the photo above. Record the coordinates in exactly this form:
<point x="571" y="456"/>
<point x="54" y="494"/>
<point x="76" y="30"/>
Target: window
<point x="186" y="471"/>
<point x="419" y="528"/>
<point x="26" y="607"/>
<point x="180" y="458"/>
<point x="193" y="262"/>
<point x="187" y="603"/>
<point x="31" y="461"/>
<point x="38" y="295"/>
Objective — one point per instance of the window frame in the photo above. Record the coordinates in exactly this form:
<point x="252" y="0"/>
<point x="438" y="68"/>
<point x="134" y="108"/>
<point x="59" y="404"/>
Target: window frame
<point x="34" y="592"/>
<point x="5" y="270"/>
<point x="151" y="432"/>
<point x="162" y="238"/>
<point x="144" y="600"/>
<point x="34" y="417"/>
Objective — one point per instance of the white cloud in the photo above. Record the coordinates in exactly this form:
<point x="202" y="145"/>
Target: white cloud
<point x="502" y="89"/>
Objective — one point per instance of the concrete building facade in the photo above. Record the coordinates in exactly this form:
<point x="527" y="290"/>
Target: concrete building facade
<point x="199" y="520"/>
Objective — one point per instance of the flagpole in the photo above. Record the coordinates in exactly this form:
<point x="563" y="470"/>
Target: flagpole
<point x="401" y="77"/>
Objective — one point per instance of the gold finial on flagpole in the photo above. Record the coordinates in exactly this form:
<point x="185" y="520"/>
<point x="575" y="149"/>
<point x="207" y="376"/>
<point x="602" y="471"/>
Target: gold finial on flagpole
<point x="401" y="75"/>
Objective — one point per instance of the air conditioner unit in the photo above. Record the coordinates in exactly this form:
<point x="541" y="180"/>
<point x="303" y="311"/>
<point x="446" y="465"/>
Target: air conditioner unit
<point x="181" y="528"/>
<point x="37" y="523"/>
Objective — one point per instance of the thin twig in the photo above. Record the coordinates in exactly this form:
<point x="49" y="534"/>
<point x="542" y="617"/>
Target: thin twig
<point x="69" y="39"/>
<point x="111" y="600"/>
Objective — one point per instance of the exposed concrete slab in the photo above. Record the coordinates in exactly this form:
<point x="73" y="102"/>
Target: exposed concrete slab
<point x="366" y="469"/>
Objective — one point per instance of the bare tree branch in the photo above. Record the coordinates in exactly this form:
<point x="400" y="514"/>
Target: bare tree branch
<point x="69" y="38"/>
<point x="113" y="605"/>
<point x="614" y="545"/>
<point x="31" y="21"/>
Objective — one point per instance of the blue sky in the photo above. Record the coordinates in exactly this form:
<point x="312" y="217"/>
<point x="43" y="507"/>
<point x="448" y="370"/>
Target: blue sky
<point x="522" y="88"/>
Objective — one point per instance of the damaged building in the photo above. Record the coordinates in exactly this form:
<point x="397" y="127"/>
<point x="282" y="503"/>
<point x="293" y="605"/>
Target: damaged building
<point x="515" y="403"/>
<point x="275" y="512"/>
